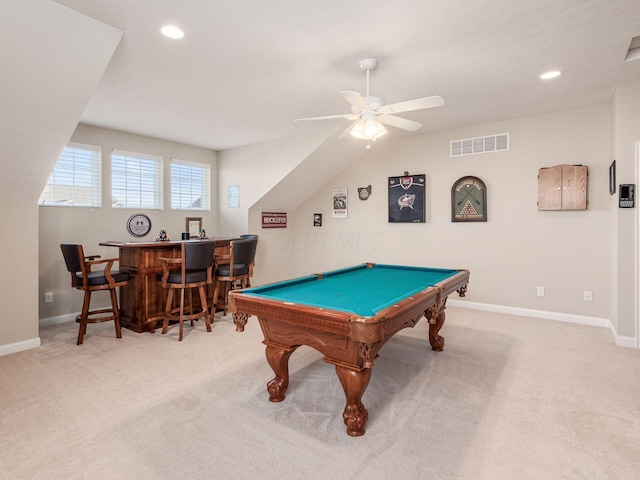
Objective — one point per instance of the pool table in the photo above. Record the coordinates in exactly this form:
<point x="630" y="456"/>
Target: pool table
<point x="347" y="315"/>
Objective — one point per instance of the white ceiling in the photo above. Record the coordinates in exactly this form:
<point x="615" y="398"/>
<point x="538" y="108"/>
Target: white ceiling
<point x="246" y="68"/>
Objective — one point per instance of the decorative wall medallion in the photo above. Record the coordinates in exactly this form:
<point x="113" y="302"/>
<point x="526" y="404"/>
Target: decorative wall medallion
<point x="139" y="224"/>
<point x="364" y="192"/>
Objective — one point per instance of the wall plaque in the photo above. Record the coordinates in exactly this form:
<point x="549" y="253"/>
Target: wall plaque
<point x="274" y="219"/>
<point x="469" y="200"/>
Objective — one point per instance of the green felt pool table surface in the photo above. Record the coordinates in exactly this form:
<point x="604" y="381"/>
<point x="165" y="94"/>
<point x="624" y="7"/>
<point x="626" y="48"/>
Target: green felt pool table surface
<point x="363" y="290"/>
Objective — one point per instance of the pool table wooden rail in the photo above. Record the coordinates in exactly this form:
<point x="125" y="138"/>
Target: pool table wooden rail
<point x="366" y="330"/>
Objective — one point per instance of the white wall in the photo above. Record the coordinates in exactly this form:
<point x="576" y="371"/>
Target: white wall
<point x="54" y="64"/>
<point x="19" y="237"/>
<point x="626" y="134"/>
<point x="518" y="249"/>
<point x="257" y="169"/>
<point x="91" y="226"/>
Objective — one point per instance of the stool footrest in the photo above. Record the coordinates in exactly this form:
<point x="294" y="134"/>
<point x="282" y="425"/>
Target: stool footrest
<point x="175" y="315"/>
<point x="102" y="318"/>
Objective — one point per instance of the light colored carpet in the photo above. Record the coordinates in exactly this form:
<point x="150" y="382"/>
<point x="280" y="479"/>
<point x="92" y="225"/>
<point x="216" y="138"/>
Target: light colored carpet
<point x="508" y="398"/>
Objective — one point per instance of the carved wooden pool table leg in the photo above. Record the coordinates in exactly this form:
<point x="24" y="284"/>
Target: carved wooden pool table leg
<point x="240" y="319"/>
<point x="278" y="358"/>
<point x="435" y="324"/>
<point x="354" y="383"/>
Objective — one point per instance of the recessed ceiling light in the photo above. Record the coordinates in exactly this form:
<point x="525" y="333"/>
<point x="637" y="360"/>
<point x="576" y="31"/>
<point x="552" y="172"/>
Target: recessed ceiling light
<point x="551" y="74"/>
<point x="172" y="32"/>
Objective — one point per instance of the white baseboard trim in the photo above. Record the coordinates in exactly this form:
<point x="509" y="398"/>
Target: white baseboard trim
<point x="621" y="341"/>
<point x="19" y="346"/>
<point x="68" y="317"/>
<point x="525" y="312"/>
<point x="35" y="342"/>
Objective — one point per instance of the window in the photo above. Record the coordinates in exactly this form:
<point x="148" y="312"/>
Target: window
<point x="136" y="180"/>
<point x="190" y="185"/>
<point x="76" y="180"/>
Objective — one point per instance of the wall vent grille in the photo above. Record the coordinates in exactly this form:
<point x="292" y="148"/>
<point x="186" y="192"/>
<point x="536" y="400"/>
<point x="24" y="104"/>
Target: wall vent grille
<point x="471" y="146"/>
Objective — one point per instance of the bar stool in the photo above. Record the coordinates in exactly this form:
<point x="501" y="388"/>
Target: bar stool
<point x="89" y="281"/>
<point x="192" y="270"/>
<point x="233" y="271"/>
<point x="250" y="236"/>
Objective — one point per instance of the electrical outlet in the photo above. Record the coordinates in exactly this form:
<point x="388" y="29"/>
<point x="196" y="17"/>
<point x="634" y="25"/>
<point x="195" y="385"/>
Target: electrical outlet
<point x="541" y="291"/>
<point x="48" y="297"/>
<point x="588" y="295"/>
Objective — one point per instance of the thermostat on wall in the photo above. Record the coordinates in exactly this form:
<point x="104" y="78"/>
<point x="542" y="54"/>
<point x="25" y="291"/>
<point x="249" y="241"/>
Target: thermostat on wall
<point x="627" y="196"/>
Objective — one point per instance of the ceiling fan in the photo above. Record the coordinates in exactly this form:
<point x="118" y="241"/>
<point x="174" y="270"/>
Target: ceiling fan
<point x="370" y="114"/>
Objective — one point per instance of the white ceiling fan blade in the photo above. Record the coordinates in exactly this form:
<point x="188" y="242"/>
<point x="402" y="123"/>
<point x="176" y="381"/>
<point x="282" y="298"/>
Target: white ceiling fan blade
<point x="399" y="122"/>
<point x="409" y="105"/>
<point x="350" y="116"/>
<point x="356" y="100"/>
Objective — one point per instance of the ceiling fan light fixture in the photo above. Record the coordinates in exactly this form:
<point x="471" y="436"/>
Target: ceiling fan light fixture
<point x="370" y="114"/>
<point x="368" y="129"/>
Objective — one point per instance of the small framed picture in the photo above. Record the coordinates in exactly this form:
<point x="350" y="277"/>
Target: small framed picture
<point x="193" y="226"/>
<point x="233" y="196"/>
<point x="339" y="203"/>
<point x="317" y="219"/>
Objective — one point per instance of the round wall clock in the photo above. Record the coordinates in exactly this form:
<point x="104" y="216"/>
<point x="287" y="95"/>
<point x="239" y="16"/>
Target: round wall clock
<point x="139" y="225"/>
<point x="469" y="200"/>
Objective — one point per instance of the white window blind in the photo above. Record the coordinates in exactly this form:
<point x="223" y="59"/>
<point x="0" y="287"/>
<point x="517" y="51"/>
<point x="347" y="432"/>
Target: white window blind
<point x="136" y="180"/>
<point x="76" y="180"/>
<point x="190" y="185"/>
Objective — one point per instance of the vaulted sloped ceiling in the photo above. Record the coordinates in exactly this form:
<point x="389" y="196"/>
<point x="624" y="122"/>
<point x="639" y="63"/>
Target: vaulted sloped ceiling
<point x="52" y="61"/>
<point x="246" y="69"/>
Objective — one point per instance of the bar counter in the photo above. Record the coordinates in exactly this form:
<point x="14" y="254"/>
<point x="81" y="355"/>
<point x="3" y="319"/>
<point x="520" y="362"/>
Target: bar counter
<point x="142" y="299"/>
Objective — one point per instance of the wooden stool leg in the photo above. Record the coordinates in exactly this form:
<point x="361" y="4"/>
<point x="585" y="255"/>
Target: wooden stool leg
<point x="116" y="313"/>
<point x="167" y="311"/>
<point x="83" y="316"/>
<point x="227" y="287"/>
<point x="203" y="302"/>
<point x="190" y="299"/>
<point x="214" y="299"/>
<point x="181" y="312"/>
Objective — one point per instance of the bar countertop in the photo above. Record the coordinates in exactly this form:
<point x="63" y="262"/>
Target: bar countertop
<point x="150" y="243"/>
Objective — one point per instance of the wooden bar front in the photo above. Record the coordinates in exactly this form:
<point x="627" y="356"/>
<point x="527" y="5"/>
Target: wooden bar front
<point x="142" y="299"/>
